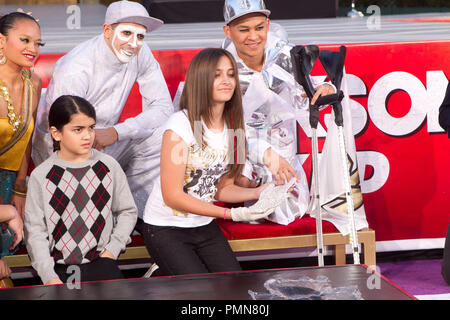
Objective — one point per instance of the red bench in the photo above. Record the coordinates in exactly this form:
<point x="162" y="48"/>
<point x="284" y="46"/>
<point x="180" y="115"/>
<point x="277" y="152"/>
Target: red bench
<point x="241" y="236"/>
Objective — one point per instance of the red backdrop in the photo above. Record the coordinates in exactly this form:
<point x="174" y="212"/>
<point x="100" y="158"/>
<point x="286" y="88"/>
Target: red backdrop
<point x="396" y="90"/>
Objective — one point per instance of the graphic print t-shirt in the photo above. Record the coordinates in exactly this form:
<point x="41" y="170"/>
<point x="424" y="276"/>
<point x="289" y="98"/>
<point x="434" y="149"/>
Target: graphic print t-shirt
<point x="205" y="165"/>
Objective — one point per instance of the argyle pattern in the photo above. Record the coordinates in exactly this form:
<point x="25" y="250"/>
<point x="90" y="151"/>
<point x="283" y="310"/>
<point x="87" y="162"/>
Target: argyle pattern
<point x="81" y="202"/>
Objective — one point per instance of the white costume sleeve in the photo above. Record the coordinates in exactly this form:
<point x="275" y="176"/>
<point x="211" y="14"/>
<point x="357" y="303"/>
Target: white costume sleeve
<point x="63" y="83"/>
<point x="256" y="148"/>
<point x="156" y="102"/>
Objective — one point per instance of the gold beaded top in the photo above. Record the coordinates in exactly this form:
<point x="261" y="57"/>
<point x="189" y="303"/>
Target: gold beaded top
<point x="14" y="120"/>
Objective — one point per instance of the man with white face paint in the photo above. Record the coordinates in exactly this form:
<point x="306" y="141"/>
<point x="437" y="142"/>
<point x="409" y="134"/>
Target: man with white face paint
<point x="132" y="36"/>
<point x="103" y="70"/>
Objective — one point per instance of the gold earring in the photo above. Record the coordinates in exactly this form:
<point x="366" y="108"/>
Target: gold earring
<point x="2" y="58"/>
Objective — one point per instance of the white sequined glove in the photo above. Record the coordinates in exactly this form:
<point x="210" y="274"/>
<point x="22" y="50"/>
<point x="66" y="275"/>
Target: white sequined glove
<point x="247" y="214"/>
<point x="270" y="198"/>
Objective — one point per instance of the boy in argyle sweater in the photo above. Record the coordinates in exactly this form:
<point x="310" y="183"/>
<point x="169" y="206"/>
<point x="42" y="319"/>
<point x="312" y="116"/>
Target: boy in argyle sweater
<point x="76" y="211"/>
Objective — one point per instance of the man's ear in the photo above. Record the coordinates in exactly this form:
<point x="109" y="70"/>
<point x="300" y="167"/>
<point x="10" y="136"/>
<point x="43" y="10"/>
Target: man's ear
<point x="108" y="31"/>
<point x="226" y="30"/>
<point x="56" y="134"/>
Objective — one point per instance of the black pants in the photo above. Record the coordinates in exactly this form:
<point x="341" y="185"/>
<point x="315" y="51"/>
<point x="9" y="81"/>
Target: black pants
<point x="139" y="225"/>
<point x="446" y="260"/>
<point x="99" y="269"/>
<point x="190" y="250"/>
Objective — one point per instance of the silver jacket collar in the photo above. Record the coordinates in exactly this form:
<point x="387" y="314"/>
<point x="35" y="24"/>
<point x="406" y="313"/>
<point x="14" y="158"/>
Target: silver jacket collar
<point x="277" y="51"/>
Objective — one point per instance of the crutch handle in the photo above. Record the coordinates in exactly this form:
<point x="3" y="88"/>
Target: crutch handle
<point x="313" y="116"/>
<point x="330" y="99"/>
<point x="338" y="117"/>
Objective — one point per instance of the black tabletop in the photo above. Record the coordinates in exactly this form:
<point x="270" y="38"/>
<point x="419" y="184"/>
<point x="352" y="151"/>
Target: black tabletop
<point x="217" y="286"/>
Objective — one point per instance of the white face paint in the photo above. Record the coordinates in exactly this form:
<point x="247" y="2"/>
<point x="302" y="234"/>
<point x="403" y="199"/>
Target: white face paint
<point x="131" y="39"/>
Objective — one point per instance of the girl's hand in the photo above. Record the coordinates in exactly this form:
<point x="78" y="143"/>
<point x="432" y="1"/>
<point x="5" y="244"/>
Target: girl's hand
<point x="18" y="202"/>
<point x="16" y="225"/>
<point x="247" y="214"/>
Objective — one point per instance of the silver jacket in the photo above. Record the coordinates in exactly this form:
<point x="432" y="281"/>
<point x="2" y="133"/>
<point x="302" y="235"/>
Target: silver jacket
<point x="272" y="107"/>
<point x="272" y="103"/>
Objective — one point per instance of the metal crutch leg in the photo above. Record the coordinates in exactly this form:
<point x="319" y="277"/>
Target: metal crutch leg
<point x="333" y="63"/>
<point x="303" y="60"/>
<point x="314" y="119"/>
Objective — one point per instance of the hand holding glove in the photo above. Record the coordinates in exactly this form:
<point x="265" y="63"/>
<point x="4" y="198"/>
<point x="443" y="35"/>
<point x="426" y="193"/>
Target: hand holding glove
<point x="248" y="214"/>
<point x="270" y="198"/>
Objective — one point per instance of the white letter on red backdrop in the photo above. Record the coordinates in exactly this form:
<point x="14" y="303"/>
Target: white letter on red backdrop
<point x="378" y="97"/>
<point x="356" y="87"/>
<point x="380" y="166"/>
<point x="436" y="85"/>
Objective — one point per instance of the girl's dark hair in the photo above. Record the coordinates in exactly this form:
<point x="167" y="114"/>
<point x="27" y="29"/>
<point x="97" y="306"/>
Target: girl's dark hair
<point x="197" y="99"/>
<point x="63" y="108"/>
<point x="8" y="21"/>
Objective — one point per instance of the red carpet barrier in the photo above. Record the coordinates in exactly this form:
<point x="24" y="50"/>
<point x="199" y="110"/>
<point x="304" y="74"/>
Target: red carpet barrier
<point x="396" y="90"/>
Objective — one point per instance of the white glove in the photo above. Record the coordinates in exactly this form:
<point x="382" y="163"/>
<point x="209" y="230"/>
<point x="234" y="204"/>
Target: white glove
<point x="270" y="198"/>
<point x="248" y="214"/>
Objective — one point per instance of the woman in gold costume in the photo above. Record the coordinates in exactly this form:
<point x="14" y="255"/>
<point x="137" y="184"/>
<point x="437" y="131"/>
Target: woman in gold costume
<point x="20" y="90"/>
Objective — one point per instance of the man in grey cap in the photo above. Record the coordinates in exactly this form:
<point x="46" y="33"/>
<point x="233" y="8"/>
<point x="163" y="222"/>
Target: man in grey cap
<point x="103" y="70"/>
<point x="273" y="104"/>
<point x="272" y="101"/>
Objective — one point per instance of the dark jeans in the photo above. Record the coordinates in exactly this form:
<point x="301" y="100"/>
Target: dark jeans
<point x="446" y="260"/>
<point x="139" y="225"/>
<point x="99" y="269"/>
<point x="190" y="250"/>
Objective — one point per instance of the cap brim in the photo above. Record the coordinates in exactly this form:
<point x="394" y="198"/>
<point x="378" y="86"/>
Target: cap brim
<point x="148" y="22"/>
<point x="264" y="12"/>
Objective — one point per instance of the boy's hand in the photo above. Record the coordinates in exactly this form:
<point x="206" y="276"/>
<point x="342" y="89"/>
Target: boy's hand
<point x="5" y="271"/>
<point x="16" y="225"/>
<point x="53" y="281"/>
<point x="107" y="254"/>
